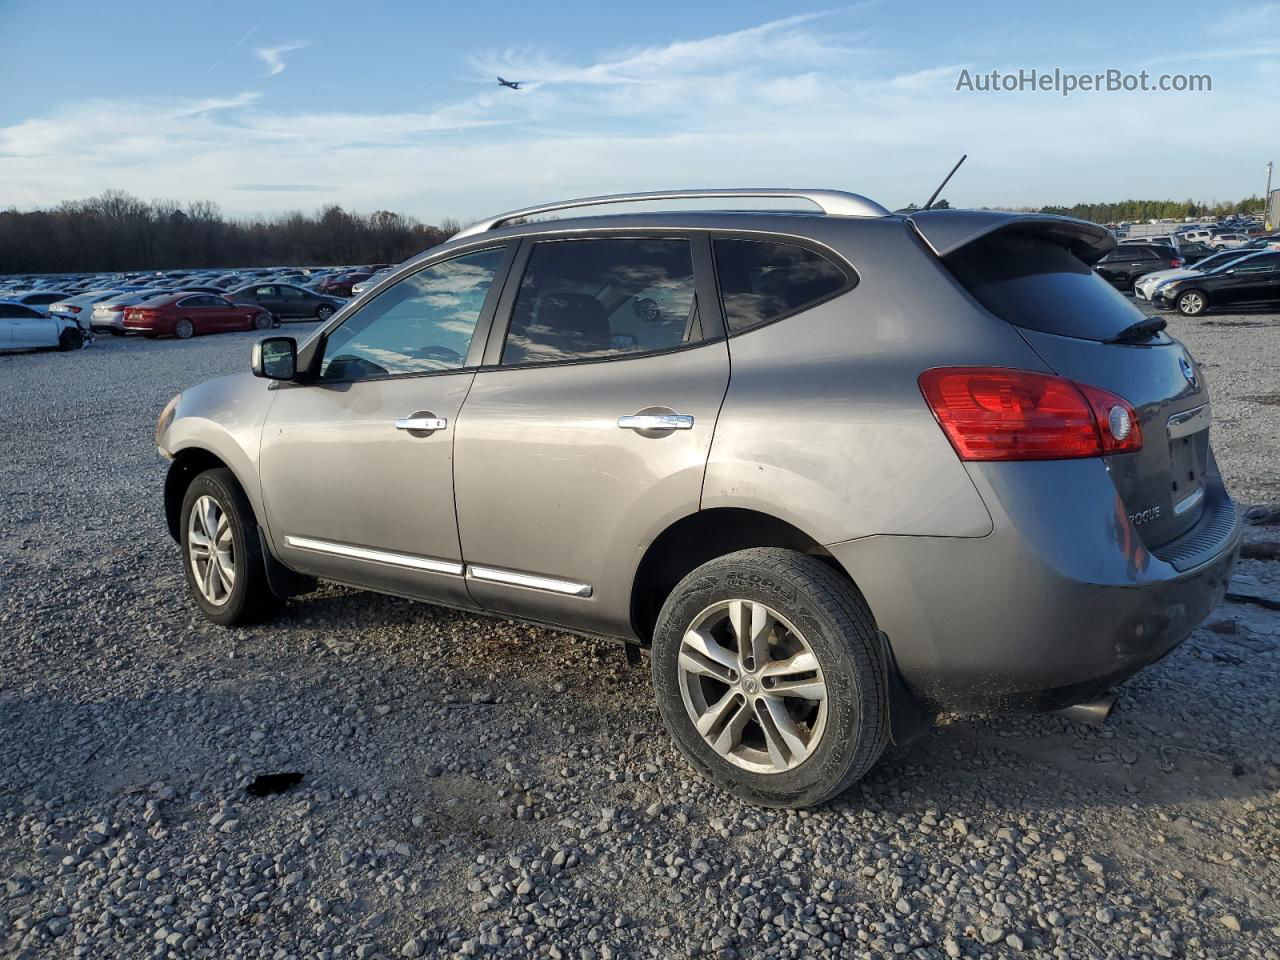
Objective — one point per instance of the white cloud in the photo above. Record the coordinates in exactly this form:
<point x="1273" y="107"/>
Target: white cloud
<point x="1259" y="18"/>
<point x="789" y="102"/>
<point x="273" y="57"/>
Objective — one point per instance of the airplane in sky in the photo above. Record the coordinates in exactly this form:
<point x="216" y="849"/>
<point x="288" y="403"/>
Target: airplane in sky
<point x="513" y="84"/>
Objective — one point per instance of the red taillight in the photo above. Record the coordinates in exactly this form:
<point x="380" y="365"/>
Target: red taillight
<point x="1176" y="262"/>
<point x="992" y="413"/>
<point x="115" y="309"/>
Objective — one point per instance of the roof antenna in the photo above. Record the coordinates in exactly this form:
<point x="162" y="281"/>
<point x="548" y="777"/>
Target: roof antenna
<point x="947" y="180"/>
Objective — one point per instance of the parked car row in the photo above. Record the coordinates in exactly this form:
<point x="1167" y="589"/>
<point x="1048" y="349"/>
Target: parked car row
<point x="1238" y="277"/>
<point x="66" y="311"/>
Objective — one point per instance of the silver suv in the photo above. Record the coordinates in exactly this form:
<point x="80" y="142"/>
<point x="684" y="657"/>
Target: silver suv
<point x="837" y="471"/>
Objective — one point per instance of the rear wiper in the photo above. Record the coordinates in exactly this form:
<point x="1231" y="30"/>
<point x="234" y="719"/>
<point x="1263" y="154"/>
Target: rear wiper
<point x="1144" y="329"/>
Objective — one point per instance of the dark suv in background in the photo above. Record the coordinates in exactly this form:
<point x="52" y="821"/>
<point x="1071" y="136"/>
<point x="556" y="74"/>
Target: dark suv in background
<point x="837" y="471"/>
<point x="1129" y="261"/>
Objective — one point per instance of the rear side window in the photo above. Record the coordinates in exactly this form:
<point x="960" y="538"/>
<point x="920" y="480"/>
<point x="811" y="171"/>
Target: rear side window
<point x="591" y="299"/>
<point x="1031" y="282"/>
<point x="761" y="281"/>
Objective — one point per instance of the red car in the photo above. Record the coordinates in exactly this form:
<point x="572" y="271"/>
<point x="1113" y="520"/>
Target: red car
<point x="340" y="286"/>
<point x="185" y="314"/>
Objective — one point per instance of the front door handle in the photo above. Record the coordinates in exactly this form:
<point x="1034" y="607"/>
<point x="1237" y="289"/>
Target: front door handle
<point x="656" y="421"/>
<point x="418" y="422"/>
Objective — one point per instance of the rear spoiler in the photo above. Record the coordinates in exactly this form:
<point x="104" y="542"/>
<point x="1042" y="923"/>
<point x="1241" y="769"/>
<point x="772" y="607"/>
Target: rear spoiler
<point x="946" y="231"/>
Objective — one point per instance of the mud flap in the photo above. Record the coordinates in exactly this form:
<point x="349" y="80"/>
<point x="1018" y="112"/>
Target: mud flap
<point x="284" y="583"/>
<point x="909" y="719"/>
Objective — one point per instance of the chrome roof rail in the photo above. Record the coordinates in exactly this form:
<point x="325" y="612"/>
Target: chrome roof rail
<point x="832" y="202"/>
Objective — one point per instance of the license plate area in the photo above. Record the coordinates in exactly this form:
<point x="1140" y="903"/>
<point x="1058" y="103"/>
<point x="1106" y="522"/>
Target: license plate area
<point x="1188" y="457"/>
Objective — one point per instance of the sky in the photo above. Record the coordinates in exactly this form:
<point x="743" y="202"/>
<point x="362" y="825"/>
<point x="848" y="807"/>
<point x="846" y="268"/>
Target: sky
<point x="266" y="107"/>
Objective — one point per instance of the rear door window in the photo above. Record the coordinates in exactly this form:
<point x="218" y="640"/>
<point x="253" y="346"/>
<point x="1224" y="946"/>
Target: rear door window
<point x="762" y="281"/>
<point x="597" y="298"/>
<point x="1031" y="282"/>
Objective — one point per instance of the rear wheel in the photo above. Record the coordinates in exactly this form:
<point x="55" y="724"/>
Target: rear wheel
<point x="1192" y="303"/>
<point x="72" y="338"/>
<point x="183" y="329"/>
<point x="770" y="677"/>
<point x="221" y="553"/>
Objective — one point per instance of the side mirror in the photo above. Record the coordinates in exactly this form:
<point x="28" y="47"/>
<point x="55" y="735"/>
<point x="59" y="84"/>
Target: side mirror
<point x="275" y="358"/>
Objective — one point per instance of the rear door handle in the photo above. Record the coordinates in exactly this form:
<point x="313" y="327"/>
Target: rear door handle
<point x="656" y="421"/>
<point x="421" y="423"/>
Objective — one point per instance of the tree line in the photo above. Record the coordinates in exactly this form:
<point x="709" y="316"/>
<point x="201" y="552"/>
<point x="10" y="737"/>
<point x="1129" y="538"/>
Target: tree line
<point x="117" y="231"/>
<point x="1154" y="209"/>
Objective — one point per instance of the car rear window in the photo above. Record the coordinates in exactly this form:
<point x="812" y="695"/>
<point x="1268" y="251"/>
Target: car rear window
<point x="1031" y="282"/>
<point x="762" y="281"/>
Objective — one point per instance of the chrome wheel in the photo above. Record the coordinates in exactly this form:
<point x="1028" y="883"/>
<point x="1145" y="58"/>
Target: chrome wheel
<point x="752" y="686"/>
<point x="211" y="549"/>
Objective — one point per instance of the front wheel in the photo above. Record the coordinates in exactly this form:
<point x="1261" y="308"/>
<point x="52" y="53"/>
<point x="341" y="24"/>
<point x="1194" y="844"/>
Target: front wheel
<point x="1192" y="303"/>
<point x="263" y="321"/>
<point x="770" y="677"/>
<point x="323" y="313"/>
<point x="72" y="338"/>
<point x="221" y="554"/>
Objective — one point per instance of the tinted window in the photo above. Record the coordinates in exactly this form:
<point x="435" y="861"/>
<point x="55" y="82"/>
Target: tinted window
<point x="292" y="293"/>
<point x="422" y="324"/>
<point x="587" y="299"/>
<point x="264" y="291"/>
<point x="1262" y="264"/>
<point x="1032" y="282"/>
<point x="762" y="281"/>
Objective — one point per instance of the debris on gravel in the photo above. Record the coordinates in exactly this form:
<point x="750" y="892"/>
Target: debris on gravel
<point x="485" y="788"/>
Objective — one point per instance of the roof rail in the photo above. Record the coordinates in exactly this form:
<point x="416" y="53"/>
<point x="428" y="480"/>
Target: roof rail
<point x="833" y="202"/>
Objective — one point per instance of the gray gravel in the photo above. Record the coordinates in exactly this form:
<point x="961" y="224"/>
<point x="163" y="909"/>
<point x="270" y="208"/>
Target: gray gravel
<point x="477" y="787"/>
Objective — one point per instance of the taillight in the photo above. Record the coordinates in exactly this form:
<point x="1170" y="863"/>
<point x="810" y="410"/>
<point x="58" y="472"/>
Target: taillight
<point x="1176" y="262"/>
<point x="115" y="309"/>
<point x="993" y="413"/>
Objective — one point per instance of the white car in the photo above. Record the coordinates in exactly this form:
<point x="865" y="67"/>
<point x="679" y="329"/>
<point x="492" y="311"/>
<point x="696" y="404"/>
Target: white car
<point x="40" y="299"/>
<point x="1145" y="286"/>
<point x="26" y="326"/>
<point x="80" y="306"/>
<point x="363" y="285"/>
<point x="1228" y="241"/>
<point x="108" y="314"/>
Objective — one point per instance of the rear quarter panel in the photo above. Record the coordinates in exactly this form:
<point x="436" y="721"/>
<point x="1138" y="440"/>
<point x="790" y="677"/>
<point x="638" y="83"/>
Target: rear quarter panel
<point x="824" y="425"/>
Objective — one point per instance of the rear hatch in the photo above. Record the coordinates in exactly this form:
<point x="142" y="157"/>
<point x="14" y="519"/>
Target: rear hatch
<point x="1034" y="273"/>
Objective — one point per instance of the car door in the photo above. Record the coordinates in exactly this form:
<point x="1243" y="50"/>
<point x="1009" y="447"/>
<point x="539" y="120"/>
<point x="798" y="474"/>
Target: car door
<point x="265" y="296"/>
<point x="29" y="327"/>
<point x="357" y="463"/>
<point x="587" y="431"/>
<point x="1252" y="281"/>
<point x="294" y="302"/>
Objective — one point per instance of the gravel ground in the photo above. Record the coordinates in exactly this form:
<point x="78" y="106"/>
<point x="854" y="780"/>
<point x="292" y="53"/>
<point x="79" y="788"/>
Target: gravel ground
<point x="481" y="787"/>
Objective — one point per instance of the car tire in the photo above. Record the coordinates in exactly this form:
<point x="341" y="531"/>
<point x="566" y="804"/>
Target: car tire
<point x="808" y="740"/>
<point x="184" y="329"/>
<point x="72" y="338"/>
<point x="1192" y="303"/>
<point x="324" y="312"/>
<point x="247" y="598"/>
<point x="264" y="321"/>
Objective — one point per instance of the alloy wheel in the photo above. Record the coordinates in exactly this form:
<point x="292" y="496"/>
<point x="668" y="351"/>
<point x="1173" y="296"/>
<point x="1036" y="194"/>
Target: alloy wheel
<point x="183" y="329"/>
<point x="1191" y="303"/>
<point x="211" y="548"/>
<point x="752" y="686"/>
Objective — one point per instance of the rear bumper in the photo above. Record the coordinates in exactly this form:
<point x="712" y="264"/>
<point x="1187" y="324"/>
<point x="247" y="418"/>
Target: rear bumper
<point x="1061" y="601"/>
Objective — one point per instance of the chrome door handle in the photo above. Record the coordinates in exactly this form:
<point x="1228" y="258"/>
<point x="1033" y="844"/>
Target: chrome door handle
<point x="421" y="423"/>
<point x="656" y="421"/>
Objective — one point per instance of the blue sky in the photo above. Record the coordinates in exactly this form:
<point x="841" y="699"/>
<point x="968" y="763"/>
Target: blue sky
<point x="264" y="107"/>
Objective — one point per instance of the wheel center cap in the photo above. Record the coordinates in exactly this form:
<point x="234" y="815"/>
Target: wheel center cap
<point x="749" y="685"/>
